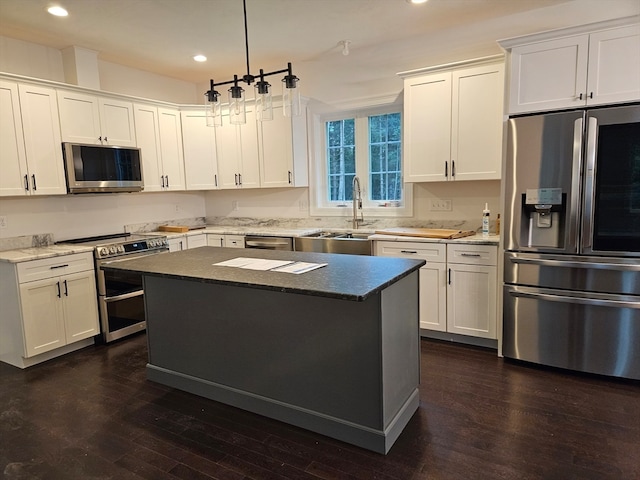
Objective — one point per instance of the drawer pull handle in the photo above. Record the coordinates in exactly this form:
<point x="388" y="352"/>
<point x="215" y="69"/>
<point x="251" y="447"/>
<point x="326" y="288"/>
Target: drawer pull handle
<point x="58" y="266"/>
<point x="470" y="255"/>
<point x="408" y="251"/>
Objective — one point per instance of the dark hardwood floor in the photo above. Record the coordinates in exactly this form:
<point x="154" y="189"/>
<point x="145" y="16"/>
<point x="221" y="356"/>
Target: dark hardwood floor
<point x="93" y="415"/>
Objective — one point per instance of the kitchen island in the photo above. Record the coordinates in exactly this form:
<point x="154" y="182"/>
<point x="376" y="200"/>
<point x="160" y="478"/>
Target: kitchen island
<point x="334" y="350"/>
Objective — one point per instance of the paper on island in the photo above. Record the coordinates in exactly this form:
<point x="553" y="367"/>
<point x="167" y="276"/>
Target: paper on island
<point x="286" y="266"/>
<point x="299" y="267"/>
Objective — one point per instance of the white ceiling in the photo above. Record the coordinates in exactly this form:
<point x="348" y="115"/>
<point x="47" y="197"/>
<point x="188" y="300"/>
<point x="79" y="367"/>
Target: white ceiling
<point x="161" y="36"/>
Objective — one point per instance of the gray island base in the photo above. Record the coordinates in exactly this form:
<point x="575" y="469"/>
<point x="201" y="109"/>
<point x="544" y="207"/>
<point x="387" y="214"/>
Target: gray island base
<point x="334" y="350"/>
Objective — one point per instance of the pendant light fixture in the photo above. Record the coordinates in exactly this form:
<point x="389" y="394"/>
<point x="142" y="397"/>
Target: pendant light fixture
<point x="264" y="103"/>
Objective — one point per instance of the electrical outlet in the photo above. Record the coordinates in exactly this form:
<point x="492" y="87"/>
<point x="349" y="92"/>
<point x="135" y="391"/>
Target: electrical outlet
<point x="439" y="205"/>
<point x="234" y="205"/>
<point x="302" y="205"/>
<point x="3" y="221"/>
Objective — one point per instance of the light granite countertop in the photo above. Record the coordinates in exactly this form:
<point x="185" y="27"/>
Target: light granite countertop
<point x="54" y="250"/>
<point x="37" y="253"/>
<point x="473" y="239"/>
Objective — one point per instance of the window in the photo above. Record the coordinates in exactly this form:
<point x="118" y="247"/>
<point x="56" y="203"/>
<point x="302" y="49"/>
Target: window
<point x="366" y="144"/>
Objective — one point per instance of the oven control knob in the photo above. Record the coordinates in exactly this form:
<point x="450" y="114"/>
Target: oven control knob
<point x="152" y="243"/>
<point x="103" y="251"/>
<point x="112" y="249"/>
<point x="120" y="249"/>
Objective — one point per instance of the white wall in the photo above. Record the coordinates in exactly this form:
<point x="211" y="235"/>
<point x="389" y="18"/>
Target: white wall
<point x="74" y="216"/>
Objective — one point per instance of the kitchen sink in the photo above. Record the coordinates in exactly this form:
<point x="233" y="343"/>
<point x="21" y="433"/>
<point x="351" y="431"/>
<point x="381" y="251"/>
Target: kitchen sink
<point x="334" y="242"/>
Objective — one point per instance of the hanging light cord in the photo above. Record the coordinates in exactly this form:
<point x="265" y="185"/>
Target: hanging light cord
<point x="290" y="78"/>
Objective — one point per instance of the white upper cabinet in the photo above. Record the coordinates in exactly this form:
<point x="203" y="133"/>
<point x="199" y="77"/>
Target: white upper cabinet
<point x="96" y="120"/>
<point x="159" y="137"/>
<point x="614" y="66"/>
<point x="453" y="123"/>
<point x="30" y="145"/>
<point x="199" y="144"/>
<point x="237" y="153"/>
<point x="574" y="71"/>
<point x="282" y="145"/>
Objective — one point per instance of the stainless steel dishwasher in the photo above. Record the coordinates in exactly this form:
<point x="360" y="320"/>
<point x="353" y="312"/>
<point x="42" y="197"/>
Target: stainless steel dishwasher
<point x="268" y="243"/>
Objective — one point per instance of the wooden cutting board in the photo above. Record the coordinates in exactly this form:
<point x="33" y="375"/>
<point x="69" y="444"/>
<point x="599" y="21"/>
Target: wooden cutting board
<point x="173" y="228"/>
<point x="427" y="232"/>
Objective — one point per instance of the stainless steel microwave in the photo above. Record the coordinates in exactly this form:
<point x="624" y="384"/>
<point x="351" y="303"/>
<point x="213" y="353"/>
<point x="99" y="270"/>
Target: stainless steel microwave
<point x="102" y="168"/>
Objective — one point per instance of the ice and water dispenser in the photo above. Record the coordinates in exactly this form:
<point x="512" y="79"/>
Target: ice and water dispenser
<point x="543" y="218"/>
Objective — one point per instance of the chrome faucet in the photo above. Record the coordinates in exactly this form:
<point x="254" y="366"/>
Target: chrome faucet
<point x="356" y="194"/>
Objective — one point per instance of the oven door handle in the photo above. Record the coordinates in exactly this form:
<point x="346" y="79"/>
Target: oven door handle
<point x="124" y="296"/>
<point x="515" y="292"/>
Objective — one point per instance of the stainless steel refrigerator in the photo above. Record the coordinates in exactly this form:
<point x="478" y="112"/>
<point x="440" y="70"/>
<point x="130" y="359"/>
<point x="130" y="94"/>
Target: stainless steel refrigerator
<point x="572" y="240"/>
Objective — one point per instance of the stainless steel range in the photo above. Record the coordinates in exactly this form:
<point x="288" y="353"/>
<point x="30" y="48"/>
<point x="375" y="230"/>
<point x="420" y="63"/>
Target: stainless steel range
<point x="120" y="294"/>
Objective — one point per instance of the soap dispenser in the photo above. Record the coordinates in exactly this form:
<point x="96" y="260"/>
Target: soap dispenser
<point x="486" y="214"/>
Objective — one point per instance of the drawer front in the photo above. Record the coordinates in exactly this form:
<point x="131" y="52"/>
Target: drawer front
<point x="54" y="266"/>
<point x="432" y="252"/>
<point x="472" y="254"/>
<point x="234" y="241"/>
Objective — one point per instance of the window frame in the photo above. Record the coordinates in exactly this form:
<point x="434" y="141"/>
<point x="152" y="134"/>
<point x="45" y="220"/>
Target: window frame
<point x="318" y="186"/>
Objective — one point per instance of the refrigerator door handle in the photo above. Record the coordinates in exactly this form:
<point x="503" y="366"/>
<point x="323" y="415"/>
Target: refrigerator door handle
<point x="589" y="193"/>
<point x="551" y="297"/>
<point x="577" y="264"/>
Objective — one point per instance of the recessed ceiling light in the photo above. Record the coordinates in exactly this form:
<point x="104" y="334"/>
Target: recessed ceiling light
<point x="200" y="58"/>
<point x="417" y="1"/>
<point x="58" y="11"/>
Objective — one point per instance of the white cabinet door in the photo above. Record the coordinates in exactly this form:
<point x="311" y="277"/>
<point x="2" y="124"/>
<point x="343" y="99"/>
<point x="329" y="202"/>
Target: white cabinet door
<point x="79" y="118"/>
<point x="433" y="279"/>
<point x="159" y="136"/>
<point x="96" y="120"/>
<point x="148" y="136"/>
<point x="472" y="300"/>
<point x="250" y="162"/>
<point x="171" y="148"/>
<point x="199" y="143"/>
<point x="237" y="152"/>
<point x="199" y="240"/>
<point x="282" y="147"/>
<point x="476" y="123"/>
<point x="427" y="127"/>
<point x="177" y="243"/>
<point x="228" y="153"/>
<point x="43" y="147"/>
<point x="214" y="240"/>
<point x="549" y="75"/>
<point x="614" y="66"/>
<point x="42" y="316"/>
<point x="79" y="305"/>
<point x="116" y="121"/>
<point x="433" y="297"/>
<point x="14" y="179"/>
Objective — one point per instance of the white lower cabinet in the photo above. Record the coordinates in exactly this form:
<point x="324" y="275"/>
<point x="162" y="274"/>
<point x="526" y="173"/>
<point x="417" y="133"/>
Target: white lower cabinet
<point x="229" y="241"/>
<point x="48" y="306"/>
<point x="458" y="285"/>
<point x="198" y="240"/>
<point x="472" y="290"/>
<point x="184" y="242"/>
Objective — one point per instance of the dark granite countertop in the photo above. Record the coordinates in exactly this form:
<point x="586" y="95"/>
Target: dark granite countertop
<point x="347" y="277"/>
